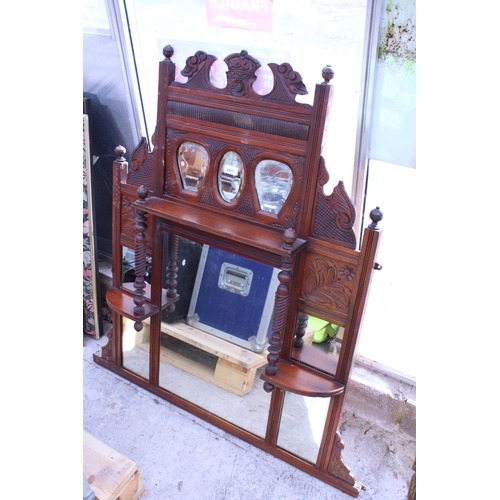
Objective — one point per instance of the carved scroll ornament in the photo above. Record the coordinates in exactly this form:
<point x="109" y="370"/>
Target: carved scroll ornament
<point x="336" y="466"/>
<point x="335" y="214"/>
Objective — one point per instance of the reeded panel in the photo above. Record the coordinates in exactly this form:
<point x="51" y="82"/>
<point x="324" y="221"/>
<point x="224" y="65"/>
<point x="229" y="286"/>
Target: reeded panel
<point x="193" y="163"/>
<point x="230" y="176"/>
<point x="273" y="181"/>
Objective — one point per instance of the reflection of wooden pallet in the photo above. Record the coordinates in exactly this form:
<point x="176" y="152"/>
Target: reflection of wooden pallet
<point x="235" y="369"/>
<point x="236" y="366"/>
<point x="111" y="475"/>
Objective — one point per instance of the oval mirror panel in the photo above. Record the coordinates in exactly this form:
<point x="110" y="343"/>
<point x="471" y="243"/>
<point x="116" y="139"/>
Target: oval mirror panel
<point x="230" y="176"/>
<point x="192" y="160"/>
<point x="273" y="181"/>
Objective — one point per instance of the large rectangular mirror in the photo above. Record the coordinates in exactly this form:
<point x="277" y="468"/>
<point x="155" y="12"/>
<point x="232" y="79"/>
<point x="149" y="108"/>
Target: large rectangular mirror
<point x="213" y="346"/>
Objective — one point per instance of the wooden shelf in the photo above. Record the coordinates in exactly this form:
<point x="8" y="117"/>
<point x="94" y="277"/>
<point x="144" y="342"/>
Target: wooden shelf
<point x="201" y="220"/>
<point x="121" y="300"/>
<point x="297" y="379"/>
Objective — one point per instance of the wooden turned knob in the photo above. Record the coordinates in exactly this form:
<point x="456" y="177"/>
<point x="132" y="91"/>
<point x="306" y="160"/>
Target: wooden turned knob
<point x="168" y="52"/>
<point x="376" y="216"/>
<point x="327" y="74"/>
<point x="142" y="192"/>
<point x="289" y="237"/>
<point x="120" y="151"/>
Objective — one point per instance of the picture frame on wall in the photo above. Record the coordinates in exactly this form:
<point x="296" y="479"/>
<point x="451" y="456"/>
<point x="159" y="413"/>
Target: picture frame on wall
<point x="92" y="314"/>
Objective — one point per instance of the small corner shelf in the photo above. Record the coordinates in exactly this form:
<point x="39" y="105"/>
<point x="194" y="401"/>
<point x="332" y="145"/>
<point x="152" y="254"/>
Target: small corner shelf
<point x="121" y="300"/>
<point x="295" y="378"/>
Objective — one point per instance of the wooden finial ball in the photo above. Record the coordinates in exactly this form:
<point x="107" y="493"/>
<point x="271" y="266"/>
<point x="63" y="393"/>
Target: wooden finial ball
<point x="142" y="192"/>
<point x="168" y="52"/>
<point x="289" y="236"/>
<point x="268" y="387"/>
<point x="120" y="151"/>
<point x="327" y="74"/>
<point x="376" y="216"/>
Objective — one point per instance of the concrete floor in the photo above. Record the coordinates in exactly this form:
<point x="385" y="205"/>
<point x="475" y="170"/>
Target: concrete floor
<point x="181" y="456"/>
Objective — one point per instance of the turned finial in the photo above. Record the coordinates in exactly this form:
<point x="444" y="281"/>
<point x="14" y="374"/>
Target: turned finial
<point x="168" y="52"/>
<point x="327" y="74"/>
<point x="289" y="237"/>
<point x="142" y="192"/>
<point x="120" y="151"/>
<point x="376" y="216"/>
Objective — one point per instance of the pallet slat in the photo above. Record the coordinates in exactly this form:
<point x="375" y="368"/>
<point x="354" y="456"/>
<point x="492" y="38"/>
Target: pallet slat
<point x="111" y="475"/>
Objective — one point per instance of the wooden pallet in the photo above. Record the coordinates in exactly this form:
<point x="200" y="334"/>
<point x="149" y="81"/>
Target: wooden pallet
<point x="111" y="475"/>
<point x="236" y="366"/>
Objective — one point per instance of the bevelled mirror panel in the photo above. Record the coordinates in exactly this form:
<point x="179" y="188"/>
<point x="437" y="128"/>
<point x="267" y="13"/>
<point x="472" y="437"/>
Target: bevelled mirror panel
<point x="273" y="181"/>
<point x="230" y="176"/>
<point x="193" y="162"/>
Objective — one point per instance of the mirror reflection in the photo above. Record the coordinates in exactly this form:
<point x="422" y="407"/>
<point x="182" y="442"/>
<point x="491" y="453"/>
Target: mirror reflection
<point x="230" y="176"/>
<point x="302" y="423"/>
<point x="193" y="162"/>
<point x="135" y="348"/>
<point x="317" y="343"/>
<point x="273" y="181"/>
<point x="214" y="346"/>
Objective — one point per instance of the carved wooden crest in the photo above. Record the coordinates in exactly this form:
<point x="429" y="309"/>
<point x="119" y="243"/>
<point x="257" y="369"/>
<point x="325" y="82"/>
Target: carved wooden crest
<point x="241" y="75"/>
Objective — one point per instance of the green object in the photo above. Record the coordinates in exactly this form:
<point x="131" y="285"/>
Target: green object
<point x="323" y="329"/>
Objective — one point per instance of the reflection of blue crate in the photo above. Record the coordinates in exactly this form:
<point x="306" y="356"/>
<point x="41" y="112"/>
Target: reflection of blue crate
<point x="233" y="298"/>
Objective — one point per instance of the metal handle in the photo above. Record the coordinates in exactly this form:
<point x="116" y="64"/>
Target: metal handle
<point x="235" y="279"/>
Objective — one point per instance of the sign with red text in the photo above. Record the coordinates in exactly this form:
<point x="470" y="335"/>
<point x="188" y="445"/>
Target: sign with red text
<point x="246" y="14"/>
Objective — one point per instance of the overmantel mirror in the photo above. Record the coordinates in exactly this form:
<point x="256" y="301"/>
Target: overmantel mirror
<point x="243" y="266"/>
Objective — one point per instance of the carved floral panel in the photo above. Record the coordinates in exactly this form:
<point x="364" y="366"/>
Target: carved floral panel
<point x="328" y="283"/>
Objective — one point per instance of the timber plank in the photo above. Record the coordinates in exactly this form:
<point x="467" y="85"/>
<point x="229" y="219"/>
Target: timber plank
<point x="111" y="475"/>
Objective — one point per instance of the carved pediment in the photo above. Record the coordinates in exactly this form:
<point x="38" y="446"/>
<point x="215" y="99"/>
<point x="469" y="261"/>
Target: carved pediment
<point x="241" y="74"/>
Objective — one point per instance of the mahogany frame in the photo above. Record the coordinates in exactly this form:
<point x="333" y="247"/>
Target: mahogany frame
<point x="311" y="239"/>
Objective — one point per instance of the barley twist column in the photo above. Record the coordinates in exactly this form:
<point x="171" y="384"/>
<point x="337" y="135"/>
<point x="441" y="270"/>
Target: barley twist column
<point x="140" y="258"/>
<point x="300" y="330"/>
<point x="173" y="249"/>
<point x="281" y="301"/>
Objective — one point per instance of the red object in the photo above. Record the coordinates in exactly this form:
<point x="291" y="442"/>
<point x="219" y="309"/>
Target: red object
<point x="246" y="14"/>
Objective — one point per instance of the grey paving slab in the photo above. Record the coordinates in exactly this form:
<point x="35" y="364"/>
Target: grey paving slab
<point x="181" y="456"/>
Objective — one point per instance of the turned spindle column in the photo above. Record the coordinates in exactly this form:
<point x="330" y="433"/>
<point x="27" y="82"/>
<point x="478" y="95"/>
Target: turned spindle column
<point x="281" y="301"/>
<point x="140" y="258"/>
<point x="300" y="330"/>
<point x="173" y="249"/>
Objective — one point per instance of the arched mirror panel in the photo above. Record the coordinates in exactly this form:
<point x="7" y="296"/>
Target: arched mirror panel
<point x="192" y="161"/>
<point x="273" y="182"/>
<point x="230" y="176"/>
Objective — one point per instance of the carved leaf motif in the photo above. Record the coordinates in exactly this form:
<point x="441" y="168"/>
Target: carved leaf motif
<point x="323" y="286"/>
<point x="128" y="216"/>
<point x="323" y="175"/>
<point x="139" y="155"/>
<point x="345" y="212"/>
